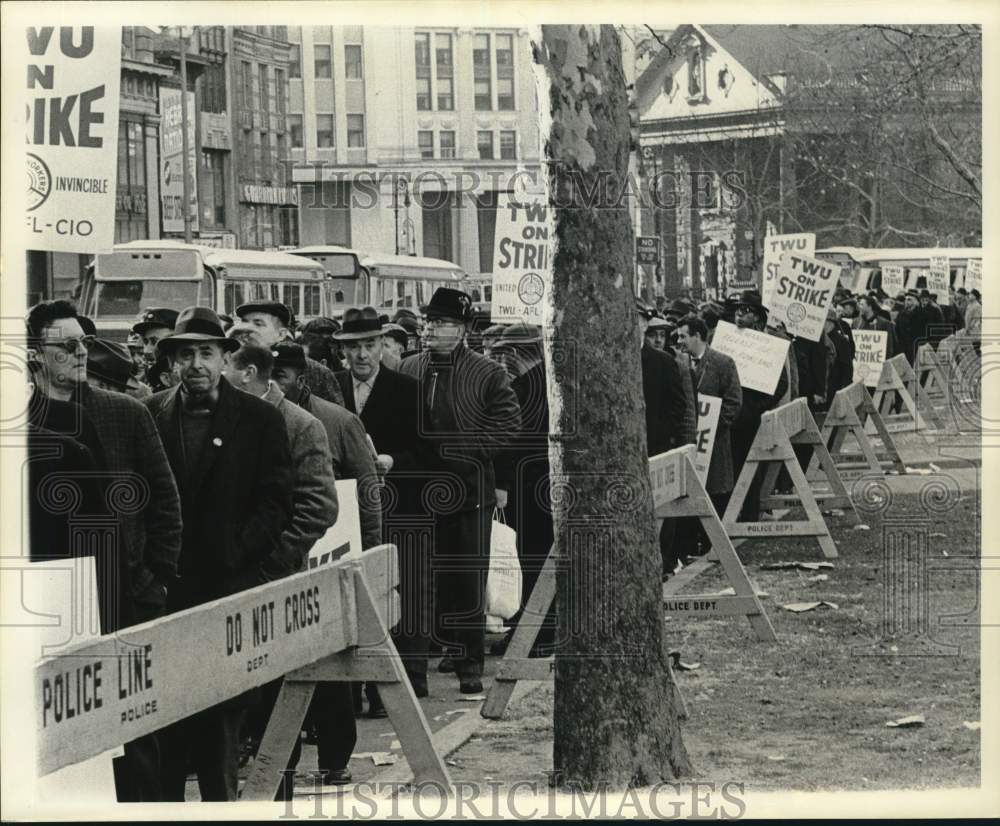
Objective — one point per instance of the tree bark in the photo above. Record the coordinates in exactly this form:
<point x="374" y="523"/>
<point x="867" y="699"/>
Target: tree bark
<point x="615" y="720"/>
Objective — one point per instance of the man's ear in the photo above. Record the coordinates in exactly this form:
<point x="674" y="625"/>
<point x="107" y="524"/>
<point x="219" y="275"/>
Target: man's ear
<point x="300" y="380"/>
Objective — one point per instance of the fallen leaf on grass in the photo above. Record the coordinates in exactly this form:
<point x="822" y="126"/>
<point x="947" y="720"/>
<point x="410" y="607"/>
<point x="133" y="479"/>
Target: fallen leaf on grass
<point x="475" y="698"/>
<point x="395" y="745"/>
<point x="922" y="471"/>
<point x="451" y="762"/>
<point x="776" y="757"/>
<point x="971" y="726"/>
<point x="907" y="722"/>
<point x="835" y="512"/>
<point x="379" y="758"/>
<point x="731" y="592"/>
<point x="801" y="607"/>
<point x="942" y="535"/>
<point x="862" y="527"/>
<point x="802" y="566"/>
<point x="934" y="467"/>
<point x="817" y="578"/>
<point x="456" y="711"/>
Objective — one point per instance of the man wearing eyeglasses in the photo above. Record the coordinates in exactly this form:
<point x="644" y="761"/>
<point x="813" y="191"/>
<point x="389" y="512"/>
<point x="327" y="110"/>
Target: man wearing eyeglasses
<point x="150" y="536"/>
<point x="468" y="412"/>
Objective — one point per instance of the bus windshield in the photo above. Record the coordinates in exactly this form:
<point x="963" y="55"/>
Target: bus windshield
<point x="129" y="298"/>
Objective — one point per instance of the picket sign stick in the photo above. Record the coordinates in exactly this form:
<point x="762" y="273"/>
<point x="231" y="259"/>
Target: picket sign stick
<point x="677" y="492"/>
<point x="148" y="676"/>
<point x="789" y="424"/>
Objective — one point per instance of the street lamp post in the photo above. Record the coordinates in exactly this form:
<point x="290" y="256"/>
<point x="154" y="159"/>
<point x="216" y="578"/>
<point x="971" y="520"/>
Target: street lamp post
<point x="185" y="163"/>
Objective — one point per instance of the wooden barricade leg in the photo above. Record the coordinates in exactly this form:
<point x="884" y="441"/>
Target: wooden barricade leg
<point x="375" y="659"/>
<point x="869" y="412"/>
<point x="773" y="445"/>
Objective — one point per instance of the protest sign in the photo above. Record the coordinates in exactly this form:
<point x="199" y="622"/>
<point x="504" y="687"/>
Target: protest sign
<point x="521" y="265"/>
<point x="342" y="539"/>
<point x="802" y="294"/>
<point x="73" y="79"/>
<point x="709" y="408"/>
<point x="759" y="357"/>
<point x="974" y="275"/>
<point x="893" y="280"/>
<point x="172" y="160"/>
<point x="800" y="243"/>
<point x="869" y="355"/>
<point x="938" y="279"/>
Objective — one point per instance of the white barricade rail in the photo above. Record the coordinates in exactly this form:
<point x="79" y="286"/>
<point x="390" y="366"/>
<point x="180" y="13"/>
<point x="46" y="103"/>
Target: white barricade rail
<point x="779" y="429"/>
<point x="677" y="491"/>
<point x="850" y="412"/>
<point x="107" y="692"/>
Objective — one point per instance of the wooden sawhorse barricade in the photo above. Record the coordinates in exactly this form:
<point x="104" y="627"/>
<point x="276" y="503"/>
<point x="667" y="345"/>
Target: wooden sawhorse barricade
<point x="852" y="409"/>
<point x="930" y="383"/>
<point x="328" y="623"/>
<point x="772" y="450"/>
<point x="677" y="491"/>
<point x="897" y="387"/>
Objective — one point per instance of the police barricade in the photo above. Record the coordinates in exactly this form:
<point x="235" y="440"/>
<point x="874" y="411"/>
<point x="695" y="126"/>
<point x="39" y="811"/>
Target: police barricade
<point x="931" y="385"/>
<point x="894" y="392"/>
<point x="772" y="450"/>
<point x="677" y="492"/>
<point x="852" y="409"/>
<point x="328" y="623"/>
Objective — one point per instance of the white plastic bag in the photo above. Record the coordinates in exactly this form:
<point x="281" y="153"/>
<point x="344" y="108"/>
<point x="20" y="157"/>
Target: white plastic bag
<point x="503" y="584"/>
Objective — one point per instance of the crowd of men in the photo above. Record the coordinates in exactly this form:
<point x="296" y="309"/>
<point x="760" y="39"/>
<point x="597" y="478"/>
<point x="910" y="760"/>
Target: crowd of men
<point x="233" y="433"/>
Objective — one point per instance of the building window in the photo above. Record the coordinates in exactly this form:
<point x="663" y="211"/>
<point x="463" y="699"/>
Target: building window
<point x="324" y="131"/>
<point x="213" y="98"/>
<point x="482" y="74"/>
<point x="264" y="166"/>
<point x="696" y="69"/>
<point x="508" y="146"/>
<point x="447" y="141"/>
<point x="505" y="71"/>
<point x="356" y="131"/>
<point x="295" y="131"/>
<point x="288" y="232"/>
<point x="248" y="99"/>
<point x="279" y="90"/>
<point x="445" y="72"/>
<point x="213" y="195"/>
<point x="294" y="60"/>
<point x="425" y="140"/>
<point x="265" y="92"/>
<point x="484" y="140"/>
<point x="352" y="62"/>
<point x="436" y="211"/>
<point x="322" y="61"/>
<point x="422" y="49"/>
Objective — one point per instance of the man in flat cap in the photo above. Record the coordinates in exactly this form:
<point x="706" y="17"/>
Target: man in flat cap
<point x="468" y="411"/>
<point x="230" y="456"/>
<point x="272" y="322"/>
<point x="154" y="324"/>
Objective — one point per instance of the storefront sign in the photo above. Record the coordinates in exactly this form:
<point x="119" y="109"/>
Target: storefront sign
<point x="72" y="95"/>
<point x="172" y="164"/>
<point x="278" y="195"/>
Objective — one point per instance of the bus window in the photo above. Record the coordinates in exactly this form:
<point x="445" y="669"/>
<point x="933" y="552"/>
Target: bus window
<point x="235" y="296"/>
<point x="206" y="292"/>
<point x="129" y="298"/>
<point x="338" y="297"/>
<point x="311" y="304"/>
<point x="290" y="295"/>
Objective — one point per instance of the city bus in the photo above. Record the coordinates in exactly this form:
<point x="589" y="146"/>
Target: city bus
<point x="386" y="282"/>
<point x="136" y="276"/>
<point x="862" y="268"/>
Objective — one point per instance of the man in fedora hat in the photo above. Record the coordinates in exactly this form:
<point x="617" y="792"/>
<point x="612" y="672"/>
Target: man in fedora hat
<point x="148" y="537"/>
<point x="110" y="366"/>
<point x="467" y="412"/>
<point x="154" y="324"/>
<point x="230" y="456"/>
<point x="272" y="321"/>
<point x="387" y="403"/>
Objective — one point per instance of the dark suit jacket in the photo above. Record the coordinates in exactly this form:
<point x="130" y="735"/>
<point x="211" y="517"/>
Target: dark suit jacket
<point x="240" y="499"/>
<point x="150" y="535"/>
<point x="717" y="375"/>
<point x="664" y="395"/>
<point x="468" y="412"/>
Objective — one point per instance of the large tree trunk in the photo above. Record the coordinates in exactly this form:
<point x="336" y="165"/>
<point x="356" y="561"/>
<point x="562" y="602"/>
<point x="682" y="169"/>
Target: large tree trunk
<point x="615" y="717"/>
